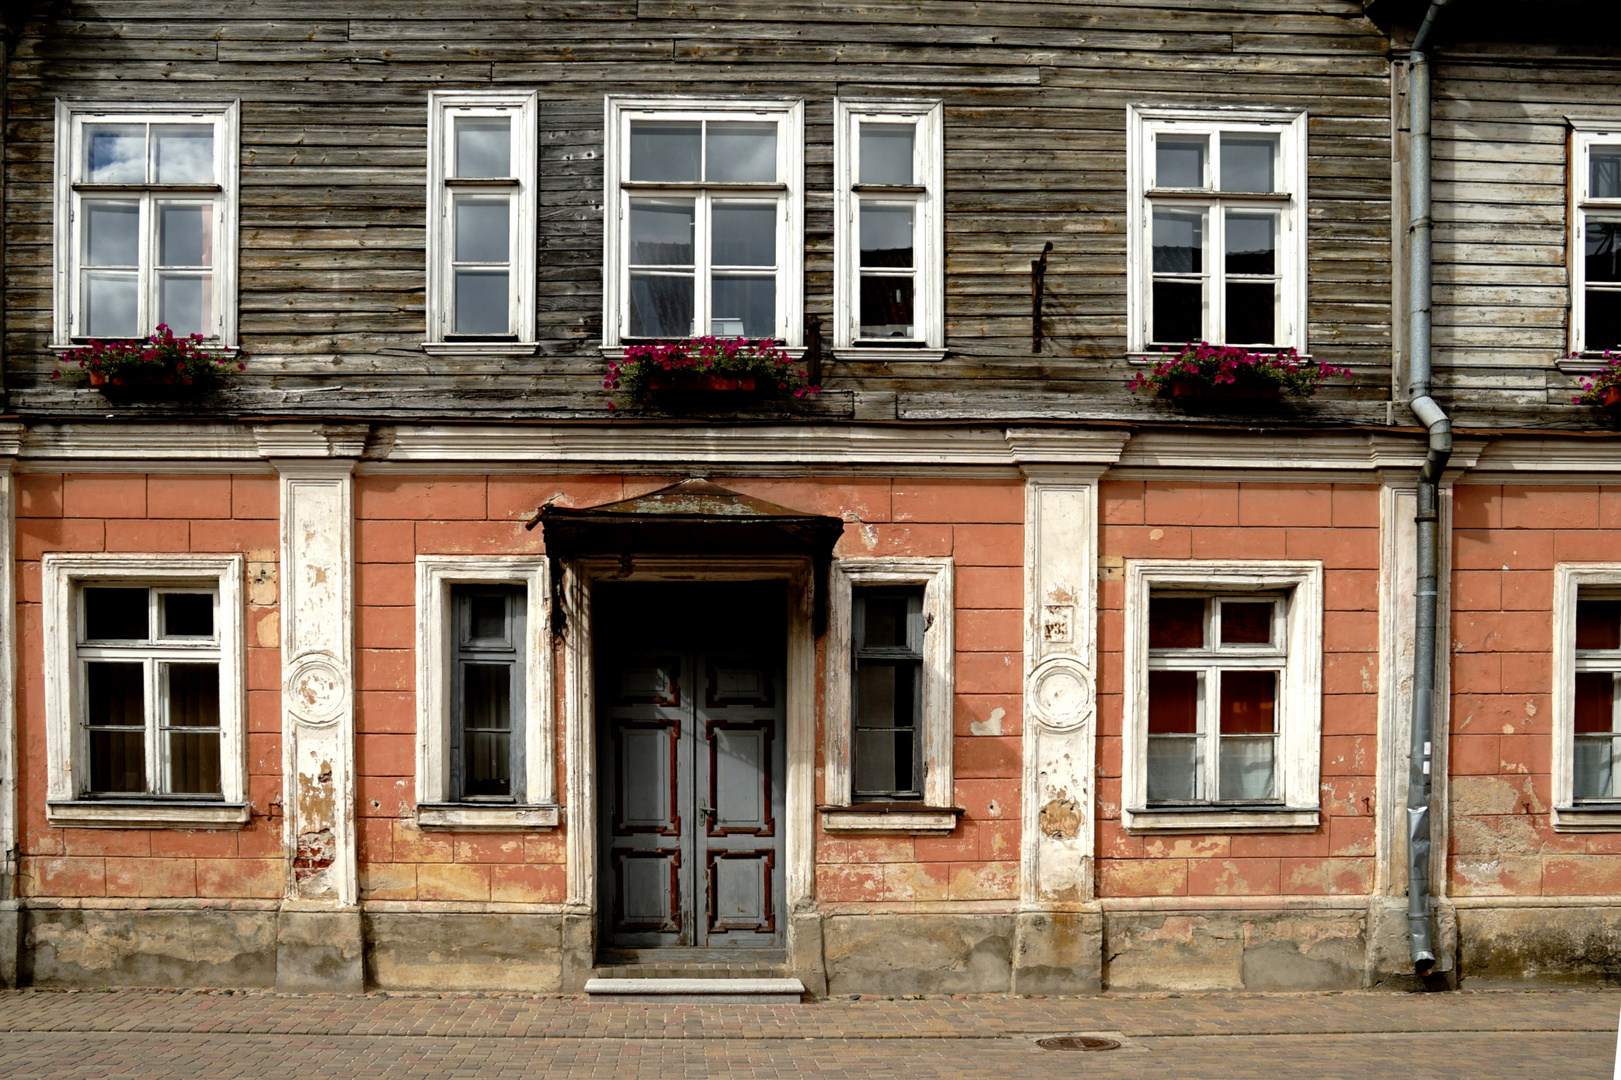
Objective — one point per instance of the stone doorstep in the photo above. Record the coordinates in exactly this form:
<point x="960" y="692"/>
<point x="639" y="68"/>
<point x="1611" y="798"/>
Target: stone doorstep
<point x="697" y="991"/>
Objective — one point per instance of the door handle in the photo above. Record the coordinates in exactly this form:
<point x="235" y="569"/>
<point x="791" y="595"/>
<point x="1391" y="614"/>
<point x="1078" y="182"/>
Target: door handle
<point x="707" y="811"/>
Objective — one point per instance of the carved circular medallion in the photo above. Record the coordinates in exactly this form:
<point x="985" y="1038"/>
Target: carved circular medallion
<point x="316" y="688"/>
<point x="1061" y="693"/>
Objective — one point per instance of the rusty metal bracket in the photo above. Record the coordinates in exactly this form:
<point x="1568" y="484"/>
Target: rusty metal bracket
<point x="1038" y="289"/>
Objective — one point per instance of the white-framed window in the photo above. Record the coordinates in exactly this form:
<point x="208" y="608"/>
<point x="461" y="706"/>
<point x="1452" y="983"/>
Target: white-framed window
<point x="1595" y="242"/>
<point x="1216" y="228"/>
<point x="889" y="228"/>
<point x="704" y="219"/>
<point x="481" y="222"/>
<point x="146" y="221"/>
<point x="1223" y="721"/>
<point x="890" y="687"/>
<point x="485" y="756"/>
<point x="144" y="690"/>
<point x="1587" y="696"/>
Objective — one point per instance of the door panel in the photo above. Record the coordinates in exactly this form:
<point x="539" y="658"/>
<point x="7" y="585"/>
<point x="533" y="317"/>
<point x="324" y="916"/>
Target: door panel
<point x="648" y="896"/>
<point x="740" y="892"/>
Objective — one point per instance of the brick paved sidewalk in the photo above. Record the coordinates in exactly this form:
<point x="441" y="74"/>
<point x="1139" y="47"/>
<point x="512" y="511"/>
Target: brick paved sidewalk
<point x="156" y="1035"/>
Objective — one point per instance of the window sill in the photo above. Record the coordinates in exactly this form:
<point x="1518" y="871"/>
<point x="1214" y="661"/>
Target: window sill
<point x="1213" y="819"/>
<point x="887" y="354"/>
<point x="211" y="348"/>
<point x="1605" y="818"/>
<point x="145" y="814"/>
<point x="468" y="817"/>
<point x="1587" y="363"/>
<point x="890" y="818"/>
<point x="476" y="349"/>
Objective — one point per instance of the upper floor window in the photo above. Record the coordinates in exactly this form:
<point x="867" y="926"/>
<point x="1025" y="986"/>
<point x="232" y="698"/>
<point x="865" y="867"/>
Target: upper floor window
<point x="481" y="221"/>
<point x="1216" y="228"/>
<point x="704" y="222"/>
<point x="146" y="221"/>
<point x="889" y="281"/>
<point x="1595" y="257"/>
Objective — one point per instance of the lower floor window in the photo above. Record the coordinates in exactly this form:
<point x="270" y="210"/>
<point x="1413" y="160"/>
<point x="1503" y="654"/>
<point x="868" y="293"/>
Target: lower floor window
<point x="1597" y="734"/>
<point x="487" y="732"/>
<point x="887" y="695"/>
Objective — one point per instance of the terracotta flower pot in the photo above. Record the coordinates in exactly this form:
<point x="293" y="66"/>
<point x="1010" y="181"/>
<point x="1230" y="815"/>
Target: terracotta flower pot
<point x="701" y="380"/>
<point x="1187" y="388"/>
<point x="1610" y="398"/>
<point x="98" y="378"/>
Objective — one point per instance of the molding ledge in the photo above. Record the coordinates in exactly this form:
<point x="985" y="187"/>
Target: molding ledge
<point x="856" y="354"/>
<point x="890" y="819"/>
<point x="473" y="350"/>
<point x="1284" y="819"/>
<point x="310" y="440"/>
<point x="107" y="814"/>
<point x="471" y="818"/>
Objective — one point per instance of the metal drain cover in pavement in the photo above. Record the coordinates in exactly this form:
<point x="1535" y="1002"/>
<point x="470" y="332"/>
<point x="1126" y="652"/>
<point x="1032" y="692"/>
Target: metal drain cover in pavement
<point x="1077" y="1042"/>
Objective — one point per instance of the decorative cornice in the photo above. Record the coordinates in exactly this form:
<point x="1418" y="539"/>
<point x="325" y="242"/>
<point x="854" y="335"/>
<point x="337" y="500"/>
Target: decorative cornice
<point x="11" y="439"/>
<point x="311" y="440"/>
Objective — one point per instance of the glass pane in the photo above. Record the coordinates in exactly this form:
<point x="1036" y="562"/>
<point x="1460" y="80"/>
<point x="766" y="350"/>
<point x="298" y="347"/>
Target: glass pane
<point x="661" y="232"/>
<point x="115" y="153"/>
<point x="1604" y="172"/>
<point x="744" y="306"/>
<point x="115" y="698"/>
<point x="886" y="153"/>
<point x="1602" y="326"/>
<point x="110" y="304"/>
<point x="1178" y="311"/>
<point x="1178" y="242"/>
<point x="1175" y="622"/>
<point x="660" y="305"/>
<point x="1598" y="624"/>
<point x="1595" y="702"/>
<point x="1595" y="769"/>
<point x="1247" y="769"/>
<point x="1174" y="768"/>
<point x="886" y="235"/>
<point x="185" y="234"/>
<point x="488" y="701"/>
<point x="482" y="302"/>
<point x="188" y="614"/>
<point x="488" y="764"/>
<point x="112" y="232"/>
<point x="883" y="763"/>
<point x="1603" y="242"/>
<point x="884" y="621"/>
<point x="194" y="762"/>
<point x="487" y="617"/>
<point x="1179" y="162"/>
<point x="1248" y="702"/>
<point x="743" y="234"/>
<point x="194" y="695"/>
<point x="887" y="307"/>
<point x="487" y="729"/>
<point x="483" y="146"/>
<point x="1173" y="702"/>
<point x="744" y="152"/>
<point x="1251" y="243"/>
<point x="184" y="303"/>
<point x="664" y="150"/>
<point x="1250" y="313"/>
<point x="194" y="702"/>
<point x="1246" y="623"/>
<point x="118" y="762"/>
<point x="115" y="615"/>
<point x="878" y="696"/>
<point x="483" y="229"/>
<point x="1246" y="162"/>
<point x="183" y="153"/>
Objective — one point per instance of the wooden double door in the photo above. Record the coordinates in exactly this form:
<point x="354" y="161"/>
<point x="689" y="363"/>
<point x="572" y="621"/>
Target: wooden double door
<point x="690" y="757"/>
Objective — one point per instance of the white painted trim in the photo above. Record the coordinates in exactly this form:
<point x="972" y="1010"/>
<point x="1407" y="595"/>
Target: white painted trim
<point x="9" y="808"/>
<point x="1300" y="702"/>
<point x="1580" y="205"/>
<point x="938" y="578"/>
<point x="98" y="814"/>
<point x="62" y="574"/>
<point x="435" y="574"/>
<point x="475" y="818"/>
<point x="1568" y="581"/>
<point x="889" y="821"/>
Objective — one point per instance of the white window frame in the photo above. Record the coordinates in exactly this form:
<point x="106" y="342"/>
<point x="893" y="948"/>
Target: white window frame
<point x="71" y="116"/>
<point x="536" y="800"/>
<point x="928" y="194"/>
<point x="64" y="577"/>
<point x="789" y="113"/>
<point x="523" y="110"/>
<point x="1569" y="579"/>
<point x="936" y="812"/>
<point x="1582" y="207"/>
<point x="1143" y="125"/>
<point x="1299" y="704"/>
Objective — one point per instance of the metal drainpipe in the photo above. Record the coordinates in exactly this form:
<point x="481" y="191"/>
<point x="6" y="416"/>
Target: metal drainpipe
<point x="1432" y="417"/>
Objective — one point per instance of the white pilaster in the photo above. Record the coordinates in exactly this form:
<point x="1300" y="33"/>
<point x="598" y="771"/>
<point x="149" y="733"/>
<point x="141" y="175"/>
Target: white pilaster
<point x="10" y="444"/>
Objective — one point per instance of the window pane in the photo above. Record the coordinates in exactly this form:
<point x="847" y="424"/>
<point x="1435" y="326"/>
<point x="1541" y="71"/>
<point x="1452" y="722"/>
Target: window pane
<point x="483" y="228"/>
<point x="115" y="153"/>
<point x="1248" y="702"/>
<point x="1602" y="326"/>
<point x="184" y="303"/>
<point x="488" y="689"/>
<point x="660" y="305"/>
<point x="887" y="308"/>
<point x="115" y="695"/>
<point x="1174" y="768"/>
<point x="115" y="615"/>
<point x="112" y="233"/>
<point x="1173" y="702"/>
<point x="183" y="153"/>
<point x="1251" y="244"/>
<point x="661" y="232"/>
<point x="483" y="146"/>
<point x="185" y="234"/>
<point x="194" y="762"/>
<point x="487" y="617"/>
<point x="1176" y="622"/>
<point x="1246" y="623"/>
<point x="115" y="698"/>
<point x="1179" y="163"/>
<point x="1595" y="702"/>
<point x="884" y="621"/>
<point x="487" y="729"/>
<point x="744" y="306"/>
<point x="886" y="153"/>
<point x="1603" y="246"/>
<point x="1178" y="242"/>
<point x="883" y="763"/>
<point x="886" y="236"/>
<point x="188" y="614"/>
<point x="743" y="234"/>
<point x="111" y="304"/>
<point x="482" y="303"/>
<point x="1595" y="767"/>
<point x="1247" y="768"/>
<point x="1604" y="172"/>
<point x="194" y="702"/>
<point x="1178" y="311"/>
<point x="1246" y="162"/>
<point x="1598" y="624"/>
<point x="664" y="150"/>
<point x="194" y="695"/>
<point x="1250" y="313"/>
<point x="879" y="695"/>
<point x="743" y="152"/>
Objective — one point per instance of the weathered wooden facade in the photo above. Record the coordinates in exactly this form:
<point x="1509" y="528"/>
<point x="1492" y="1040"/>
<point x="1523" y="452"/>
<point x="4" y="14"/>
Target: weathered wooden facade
<point x="976" y="671"/>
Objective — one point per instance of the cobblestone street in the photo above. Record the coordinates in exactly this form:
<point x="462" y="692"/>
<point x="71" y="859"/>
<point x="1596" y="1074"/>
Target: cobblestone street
<point x="155" y="1035"/>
